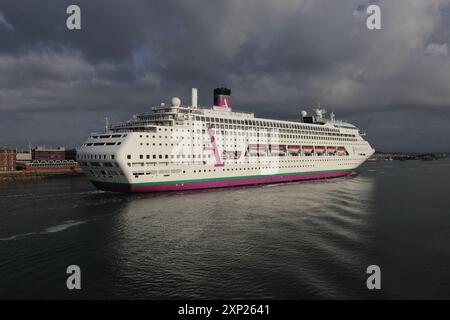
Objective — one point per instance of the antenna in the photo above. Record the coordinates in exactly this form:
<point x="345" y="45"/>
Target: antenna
<point x="106" y="123"/>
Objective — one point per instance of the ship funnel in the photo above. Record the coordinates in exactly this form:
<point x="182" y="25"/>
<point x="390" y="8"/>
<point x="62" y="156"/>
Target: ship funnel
<point x="222" y="97"/>
<point x="194" y="103"/>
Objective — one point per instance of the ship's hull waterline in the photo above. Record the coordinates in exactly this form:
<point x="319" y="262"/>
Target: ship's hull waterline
<point x="218" y="183"/>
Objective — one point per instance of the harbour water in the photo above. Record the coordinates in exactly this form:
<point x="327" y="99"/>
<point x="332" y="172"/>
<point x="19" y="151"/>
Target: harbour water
<point x="302" y="240"/>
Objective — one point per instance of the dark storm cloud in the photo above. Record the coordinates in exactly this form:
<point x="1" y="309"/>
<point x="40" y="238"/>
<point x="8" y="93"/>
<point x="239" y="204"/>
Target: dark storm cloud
<point x="279" y="57"/>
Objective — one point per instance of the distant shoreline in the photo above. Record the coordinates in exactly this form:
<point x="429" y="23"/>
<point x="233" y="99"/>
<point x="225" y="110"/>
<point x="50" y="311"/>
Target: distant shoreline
<point x="403" y="156"/>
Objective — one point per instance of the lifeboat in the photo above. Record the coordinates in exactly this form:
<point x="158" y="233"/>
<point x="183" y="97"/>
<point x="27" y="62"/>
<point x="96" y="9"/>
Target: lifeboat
<point x="294" y="149"/>
<point x="277" y="149"/>
<point x="262" y="149"/>
<point x="308" y="149"/>
<point x="274" y="149"/>
<point x="341" y="151"/>
<point x="331" y="150"/>
<point x="257" y="149"/>
<point x="253" y="148"/>
<point x="320" y="150"/>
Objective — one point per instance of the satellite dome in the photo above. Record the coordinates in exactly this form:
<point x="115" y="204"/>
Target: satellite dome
<point x="304" y="113"/>
<point x="176" y="102"/>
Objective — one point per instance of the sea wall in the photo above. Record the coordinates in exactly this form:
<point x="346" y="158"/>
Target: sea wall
<point x="16" y="176"/>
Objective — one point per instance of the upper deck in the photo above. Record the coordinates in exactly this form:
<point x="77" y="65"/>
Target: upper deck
<point x="224" y="118"/>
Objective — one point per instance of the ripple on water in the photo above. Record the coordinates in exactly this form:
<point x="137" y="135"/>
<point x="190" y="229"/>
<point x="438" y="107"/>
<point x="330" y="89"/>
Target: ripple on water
<point x="53" y="229"/>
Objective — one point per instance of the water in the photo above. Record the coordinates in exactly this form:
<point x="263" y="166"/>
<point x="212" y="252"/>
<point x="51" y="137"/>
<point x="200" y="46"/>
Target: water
<point x="294" y="241"/>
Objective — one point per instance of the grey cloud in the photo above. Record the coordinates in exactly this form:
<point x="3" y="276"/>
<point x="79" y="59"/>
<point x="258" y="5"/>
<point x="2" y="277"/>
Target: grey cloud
<point x="279" y="57"/>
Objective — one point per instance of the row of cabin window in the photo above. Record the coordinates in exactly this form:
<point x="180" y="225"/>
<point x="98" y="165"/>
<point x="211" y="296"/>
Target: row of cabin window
<point x="218" y="122"/>
<point x="261" y="123"/>
<point x="285" y="166"/>
<point x="281" y="135"/>
<point x="166" y="156"/>
<point x="188" y="144"/>
<point x="137" y="174"/>
<point x="254" y="168"/>
<point x="102" y="144"/>
<point x="259" y="133"/>
<point x="108" y="136"/>
<point x="200" y="156"/>
<point x="262" y="130"/>
<point x="95" y="156"/>
<point x="289" y="129"/>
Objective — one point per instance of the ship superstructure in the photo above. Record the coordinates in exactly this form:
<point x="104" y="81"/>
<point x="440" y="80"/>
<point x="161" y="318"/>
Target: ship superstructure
<point x="180" y="147"/>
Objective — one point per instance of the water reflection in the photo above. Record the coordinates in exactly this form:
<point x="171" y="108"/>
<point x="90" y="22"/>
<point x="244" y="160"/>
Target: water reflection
<point x="291" y="240"/>
<point x="297" y="240"/>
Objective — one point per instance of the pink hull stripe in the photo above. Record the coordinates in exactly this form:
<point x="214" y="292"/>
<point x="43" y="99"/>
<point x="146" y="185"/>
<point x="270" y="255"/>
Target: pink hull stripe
<point x="225" y="183"/>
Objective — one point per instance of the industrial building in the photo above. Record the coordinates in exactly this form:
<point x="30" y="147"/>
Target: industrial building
<point x="7" y="159"/>
<point x="42" y="153"/>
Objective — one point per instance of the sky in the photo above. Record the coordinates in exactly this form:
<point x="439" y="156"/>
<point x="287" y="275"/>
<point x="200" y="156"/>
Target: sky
<point x="278" y="57"/>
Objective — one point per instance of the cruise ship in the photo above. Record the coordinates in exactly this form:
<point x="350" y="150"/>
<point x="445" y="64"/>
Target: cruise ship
<point x="180" y="147"/>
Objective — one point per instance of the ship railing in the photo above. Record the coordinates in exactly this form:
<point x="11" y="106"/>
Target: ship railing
<point x="146" y="123"/>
